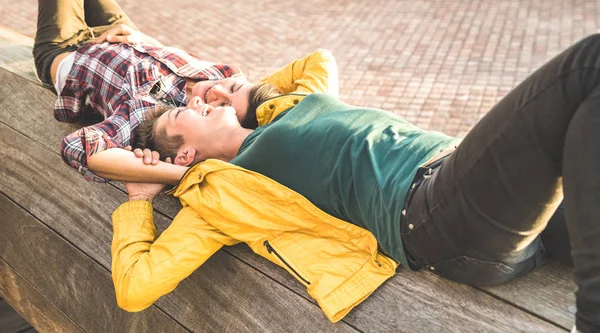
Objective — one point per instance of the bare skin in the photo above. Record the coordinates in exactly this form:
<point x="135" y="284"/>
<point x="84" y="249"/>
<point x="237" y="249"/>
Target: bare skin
<point x="55" y="63"/>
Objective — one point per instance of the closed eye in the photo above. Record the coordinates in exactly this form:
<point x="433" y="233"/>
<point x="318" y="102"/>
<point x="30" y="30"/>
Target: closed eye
<point x="177" y="113"/>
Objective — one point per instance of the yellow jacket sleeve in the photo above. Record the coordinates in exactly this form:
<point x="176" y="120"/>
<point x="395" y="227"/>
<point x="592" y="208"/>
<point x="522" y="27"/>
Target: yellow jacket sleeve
<point x="315" y="73"/>
<point x="145" y="268"/>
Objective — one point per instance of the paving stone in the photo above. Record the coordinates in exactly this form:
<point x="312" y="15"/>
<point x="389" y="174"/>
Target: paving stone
<point x="445" y="63"/>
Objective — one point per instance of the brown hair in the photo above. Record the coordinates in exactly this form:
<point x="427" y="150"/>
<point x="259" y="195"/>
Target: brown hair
<point x="258" y="94"/>
<point x="148" y="135"/>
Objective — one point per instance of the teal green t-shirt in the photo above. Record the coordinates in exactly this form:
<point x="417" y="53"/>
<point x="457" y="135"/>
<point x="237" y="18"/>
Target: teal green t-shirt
<point x="354" y="163"/>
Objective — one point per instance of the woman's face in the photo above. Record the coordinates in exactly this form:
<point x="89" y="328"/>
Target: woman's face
<point x="233" y="92"/>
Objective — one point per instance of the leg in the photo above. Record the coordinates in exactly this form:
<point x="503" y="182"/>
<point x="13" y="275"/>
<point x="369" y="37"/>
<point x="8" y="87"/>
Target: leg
<point x="582" y="196"/>
<point x="556" y="237"/>
<point x="59" y="24"/>
<point x="105" y="13"/>
<point x="482" y="212"/>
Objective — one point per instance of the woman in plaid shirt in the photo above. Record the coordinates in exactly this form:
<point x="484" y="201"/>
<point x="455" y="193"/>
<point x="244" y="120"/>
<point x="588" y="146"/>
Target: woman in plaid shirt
<point x="118" y="81"/>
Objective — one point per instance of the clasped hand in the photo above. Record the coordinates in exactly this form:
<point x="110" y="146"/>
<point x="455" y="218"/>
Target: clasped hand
<point x="145" y="191"/>
<point x="125" y="34"/>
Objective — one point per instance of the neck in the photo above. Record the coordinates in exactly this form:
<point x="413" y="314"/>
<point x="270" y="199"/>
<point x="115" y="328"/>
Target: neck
<point x="234" y="142"/>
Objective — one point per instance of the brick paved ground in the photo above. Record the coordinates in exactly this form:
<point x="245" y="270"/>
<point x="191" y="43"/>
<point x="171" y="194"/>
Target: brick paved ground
<point x="439" y="63"/>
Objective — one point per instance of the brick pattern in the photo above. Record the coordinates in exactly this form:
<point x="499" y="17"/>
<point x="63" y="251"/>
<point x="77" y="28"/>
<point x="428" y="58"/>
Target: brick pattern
<point x="441" y="64"/>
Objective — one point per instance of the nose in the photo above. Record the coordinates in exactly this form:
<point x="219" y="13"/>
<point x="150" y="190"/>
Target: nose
<point x="219" y="95"/>
<point x="195" y="102"/>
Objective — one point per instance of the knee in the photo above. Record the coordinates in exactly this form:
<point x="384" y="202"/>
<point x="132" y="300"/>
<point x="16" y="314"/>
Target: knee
<point x="593" y="38"/>
<point x="585" y="53"/>
<point x="592" y="42"/>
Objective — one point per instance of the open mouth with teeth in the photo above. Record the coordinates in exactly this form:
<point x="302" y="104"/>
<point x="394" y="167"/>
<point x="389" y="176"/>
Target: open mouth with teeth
<point x="206" y="110"/>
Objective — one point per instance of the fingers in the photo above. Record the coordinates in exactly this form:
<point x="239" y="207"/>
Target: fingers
<point x="123" y="39"/>
<point x="168" y="160"/>
<point x="155" y="157"/>
<point x="125" y="34"/>
<point x="109" y="35"/>
<point x="117" y="34"/>
<point x="128" y="148"/>
<point x="149" y="157"/>
<point x="101" y="39"/>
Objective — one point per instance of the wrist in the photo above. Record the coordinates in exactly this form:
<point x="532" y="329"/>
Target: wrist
<point x="145" y="197"/>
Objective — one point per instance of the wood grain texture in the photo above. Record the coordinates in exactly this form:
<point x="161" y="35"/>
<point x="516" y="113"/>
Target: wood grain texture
<point x="423" y="302"/>
<point x="548" y="292"/>
<point x="73" y="282"/>
<point x="10" y="320"/>
<point x="408" y="303"/>
<point x="31" y="304"/>
<point x="15" y="54"/>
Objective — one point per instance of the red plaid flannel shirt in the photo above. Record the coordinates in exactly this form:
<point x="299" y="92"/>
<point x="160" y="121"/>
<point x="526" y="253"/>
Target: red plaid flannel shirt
<point x="115" y="80"/>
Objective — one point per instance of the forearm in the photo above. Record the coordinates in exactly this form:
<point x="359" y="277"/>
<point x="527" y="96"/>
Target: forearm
<point x="145" y="267"/>
<point x="123" y="165"/>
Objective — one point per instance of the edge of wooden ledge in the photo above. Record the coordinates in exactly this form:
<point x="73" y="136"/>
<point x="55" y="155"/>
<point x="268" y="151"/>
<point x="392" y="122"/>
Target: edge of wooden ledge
<point x="15" y="37"/>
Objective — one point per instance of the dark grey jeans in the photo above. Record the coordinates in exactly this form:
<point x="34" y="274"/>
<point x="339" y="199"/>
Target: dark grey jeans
<point x="64" y="24"/>
<point x="479" y="217"/>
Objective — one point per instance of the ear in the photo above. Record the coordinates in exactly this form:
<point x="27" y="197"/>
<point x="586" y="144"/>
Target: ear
<point x="185" y="156"/>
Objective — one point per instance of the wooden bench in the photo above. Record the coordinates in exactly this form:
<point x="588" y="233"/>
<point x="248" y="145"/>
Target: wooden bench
<point x="55" y="237"/>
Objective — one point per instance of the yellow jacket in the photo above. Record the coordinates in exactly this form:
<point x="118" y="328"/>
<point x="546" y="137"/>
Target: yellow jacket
<point x="337" y="261"/>
<point x="317" y="72"/>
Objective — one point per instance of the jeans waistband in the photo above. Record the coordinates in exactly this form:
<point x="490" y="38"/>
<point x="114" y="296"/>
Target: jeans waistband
<point x="423" y="173"/>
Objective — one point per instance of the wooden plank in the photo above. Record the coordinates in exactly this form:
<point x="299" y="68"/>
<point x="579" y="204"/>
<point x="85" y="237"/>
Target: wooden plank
<point x="75" y="284"/>
<point x="424" y="302"/>
<point x="10" y="320"/>
<point x="170" y="207"/>
<point x="225" y="294"/>
<point x="15" y="54"/>
<point x="548" y="292"/>
<point x="32" y="305"/>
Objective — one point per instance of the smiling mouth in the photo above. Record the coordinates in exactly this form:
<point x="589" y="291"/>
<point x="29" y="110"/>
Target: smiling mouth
<point x="206" y="110"/>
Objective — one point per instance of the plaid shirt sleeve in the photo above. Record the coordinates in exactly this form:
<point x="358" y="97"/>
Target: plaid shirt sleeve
<point x="113" y="132"/>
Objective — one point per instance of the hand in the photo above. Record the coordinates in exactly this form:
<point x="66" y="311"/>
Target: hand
<point x="148" y="157"/>
<point x="143" y="191"/>
<point x="125" y="34"/>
